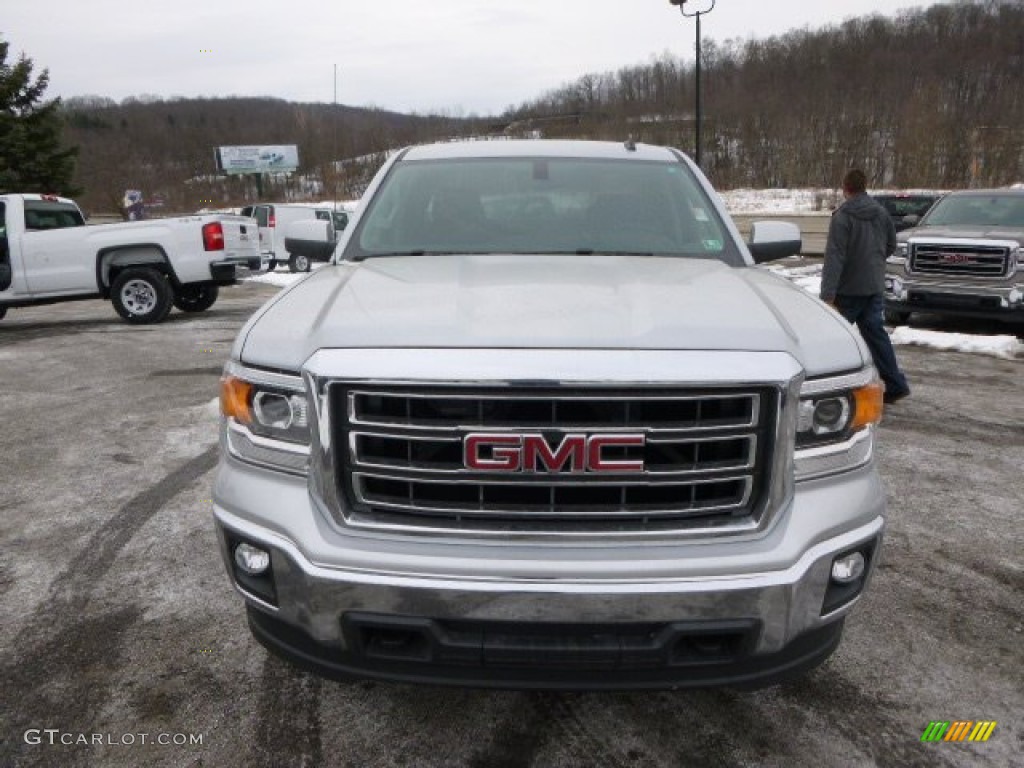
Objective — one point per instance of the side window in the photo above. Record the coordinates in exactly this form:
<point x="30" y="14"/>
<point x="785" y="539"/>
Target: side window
<point x="46" y="215"/>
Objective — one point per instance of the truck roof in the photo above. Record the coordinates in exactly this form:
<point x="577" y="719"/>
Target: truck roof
<point x="42" y="196"/>
<point x="540" y="148"/>
<point x="997" y="192"/>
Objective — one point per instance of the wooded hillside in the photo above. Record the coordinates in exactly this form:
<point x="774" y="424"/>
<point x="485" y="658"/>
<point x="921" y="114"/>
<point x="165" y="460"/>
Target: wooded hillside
<point x="166" y="148"/>
<point x="926" y="98"/>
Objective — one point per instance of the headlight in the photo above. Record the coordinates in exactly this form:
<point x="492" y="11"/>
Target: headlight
<point x="266" y="418"/>
<point x="900" y="256"/>
<point x="835" y="420"/>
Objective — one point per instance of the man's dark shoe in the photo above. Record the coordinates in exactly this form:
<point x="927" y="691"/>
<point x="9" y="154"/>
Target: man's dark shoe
<point x="892" y="397"/>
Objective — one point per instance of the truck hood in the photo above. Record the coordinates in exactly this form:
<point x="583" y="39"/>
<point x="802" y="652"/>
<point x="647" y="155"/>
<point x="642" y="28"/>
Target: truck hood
<point x="547" y="302"/>
<point x="965" y="233"/>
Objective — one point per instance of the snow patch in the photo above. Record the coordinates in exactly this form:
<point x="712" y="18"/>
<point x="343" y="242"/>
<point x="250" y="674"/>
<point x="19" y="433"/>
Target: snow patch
<point x="1003" y="346"/>
<point x="282" y="279"/>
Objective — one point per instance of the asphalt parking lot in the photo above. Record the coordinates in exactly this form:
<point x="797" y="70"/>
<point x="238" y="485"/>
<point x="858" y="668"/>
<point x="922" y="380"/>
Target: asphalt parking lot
<point x="121" y="631"/>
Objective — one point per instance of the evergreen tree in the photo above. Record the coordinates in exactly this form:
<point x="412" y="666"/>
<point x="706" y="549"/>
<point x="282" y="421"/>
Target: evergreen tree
<point x="32" y="158"/>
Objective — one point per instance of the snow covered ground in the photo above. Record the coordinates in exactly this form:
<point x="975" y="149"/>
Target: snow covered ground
<point x="809" y="202"/>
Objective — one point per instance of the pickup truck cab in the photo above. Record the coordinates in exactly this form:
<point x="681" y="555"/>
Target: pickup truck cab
<point x="48" y="254"/>
<point x="543" y="423"/>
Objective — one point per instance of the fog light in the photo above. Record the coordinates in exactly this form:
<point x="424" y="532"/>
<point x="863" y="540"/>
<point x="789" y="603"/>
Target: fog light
<point x="255" y="561"/>
<point x="848" y="568"/>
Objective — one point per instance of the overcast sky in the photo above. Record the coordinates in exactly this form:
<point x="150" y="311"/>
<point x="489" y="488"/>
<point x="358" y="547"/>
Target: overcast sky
<point x="457" y="56"/>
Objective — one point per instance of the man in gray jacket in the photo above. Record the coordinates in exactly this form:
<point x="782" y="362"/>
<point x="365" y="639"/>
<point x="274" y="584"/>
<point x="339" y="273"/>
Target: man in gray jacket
<point x="861" y="237"/>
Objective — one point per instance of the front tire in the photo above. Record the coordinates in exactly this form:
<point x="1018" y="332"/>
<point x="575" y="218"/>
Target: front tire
<point x="196" y="298"/>
<point x="298" y="263"/>
<point x="271" y="265"/>
<point x="141" y="295"/>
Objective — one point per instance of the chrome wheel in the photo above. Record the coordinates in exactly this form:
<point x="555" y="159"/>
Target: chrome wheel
<point x="138" y="297"/>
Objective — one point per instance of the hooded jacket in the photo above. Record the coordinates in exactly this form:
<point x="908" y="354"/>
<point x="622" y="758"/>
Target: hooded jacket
<point x="861" y="237"/>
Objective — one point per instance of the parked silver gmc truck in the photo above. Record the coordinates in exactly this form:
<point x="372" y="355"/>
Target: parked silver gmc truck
<point x="964" y="258"/>
<point x="543" y="423"/>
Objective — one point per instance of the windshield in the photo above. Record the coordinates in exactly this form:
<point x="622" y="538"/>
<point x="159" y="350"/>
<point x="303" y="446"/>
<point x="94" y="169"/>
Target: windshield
<point x="994" y="210"/>
<point x="541" y="205"/>
<point x="906" y="205"/>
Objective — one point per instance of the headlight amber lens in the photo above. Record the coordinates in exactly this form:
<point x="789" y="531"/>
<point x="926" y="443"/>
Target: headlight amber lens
<point x="236" y="399"/>
<point x="867" y="405"/>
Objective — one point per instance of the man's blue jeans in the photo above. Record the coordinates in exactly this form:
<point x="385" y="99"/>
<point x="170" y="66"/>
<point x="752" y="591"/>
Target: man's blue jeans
<point x="866" y="313"/>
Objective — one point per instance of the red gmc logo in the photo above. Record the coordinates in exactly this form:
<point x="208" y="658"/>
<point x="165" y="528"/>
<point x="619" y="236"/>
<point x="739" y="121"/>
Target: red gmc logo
<point x="957" y="258"/>
<point x="532" y="453"/>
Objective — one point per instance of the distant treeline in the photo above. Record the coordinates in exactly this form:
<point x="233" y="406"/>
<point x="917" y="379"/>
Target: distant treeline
<point x="928" y="98"/>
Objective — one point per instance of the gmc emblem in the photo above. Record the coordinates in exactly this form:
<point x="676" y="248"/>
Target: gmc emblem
<point x="506" y="452"/>
<point x="957" y="258"/>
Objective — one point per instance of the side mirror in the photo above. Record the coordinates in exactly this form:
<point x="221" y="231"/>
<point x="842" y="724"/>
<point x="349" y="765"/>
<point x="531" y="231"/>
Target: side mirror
<point x="911" y="219"/>
<point x="771" y="240"/>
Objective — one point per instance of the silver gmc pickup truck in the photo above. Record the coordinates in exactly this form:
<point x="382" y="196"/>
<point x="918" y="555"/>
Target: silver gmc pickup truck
<point x="543" y="423"/>
<point x="964" y="258"/>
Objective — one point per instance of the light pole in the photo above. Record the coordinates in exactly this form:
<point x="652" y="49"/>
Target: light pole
<point x="697" y="14"/>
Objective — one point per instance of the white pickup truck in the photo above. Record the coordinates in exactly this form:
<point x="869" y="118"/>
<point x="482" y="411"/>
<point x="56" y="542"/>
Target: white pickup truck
<point x="48" y="254"/>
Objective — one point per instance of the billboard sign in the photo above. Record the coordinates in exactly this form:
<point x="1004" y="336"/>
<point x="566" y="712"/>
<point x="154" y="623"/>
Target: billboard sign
<point x="279" y="158"/>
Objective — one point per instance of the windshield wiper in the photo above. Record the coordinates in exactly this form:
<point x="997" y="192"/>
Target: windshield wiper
<point x="592" y="252"/>
<point x="385" y="254"/>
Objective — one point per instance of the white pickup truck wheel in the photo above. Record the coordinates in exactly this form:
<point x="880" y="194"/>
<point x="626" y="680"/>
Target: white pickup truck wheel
<point x="298" y="263"/>
<point x="141" y="295"/>
<point x="195" y="298"/>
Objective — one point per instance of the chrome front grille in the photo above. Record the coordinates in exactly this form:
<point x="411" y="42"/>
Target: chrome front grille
<point x="959" y="260"/>
<point x="402" y="458"/>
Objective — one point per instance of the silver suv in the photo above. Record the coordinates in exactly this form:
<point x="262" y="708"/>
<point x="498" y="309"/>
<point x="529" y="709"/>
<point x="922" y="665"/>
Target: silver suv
<point x="545" y="424"/>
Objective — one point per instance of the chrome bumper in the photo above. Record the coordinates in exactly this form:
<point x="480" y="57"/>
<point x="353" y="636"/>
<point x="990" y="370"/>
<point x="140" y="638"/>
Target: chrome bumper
<point x="774" y="582"/>
<point x="909" y="292"/>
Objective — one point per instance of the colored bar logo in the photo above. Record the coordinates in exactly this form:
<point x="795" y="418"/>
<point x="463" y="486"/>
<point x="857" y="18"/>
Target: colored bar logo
<point x="958" y="730"/>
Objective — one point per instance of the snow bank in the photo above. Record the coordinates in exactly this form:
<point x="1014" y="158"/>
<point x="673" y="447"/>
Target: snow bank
<point x="1006" y="347"/>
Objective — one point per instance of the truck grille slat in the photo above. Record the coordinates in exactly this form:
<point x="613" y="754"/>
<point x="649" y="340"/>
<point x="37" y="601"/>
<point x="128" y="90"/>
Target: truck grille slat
<point x="497" y="500"/>
<point x="959" y="260"/>
<point x="703" y="457"/>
